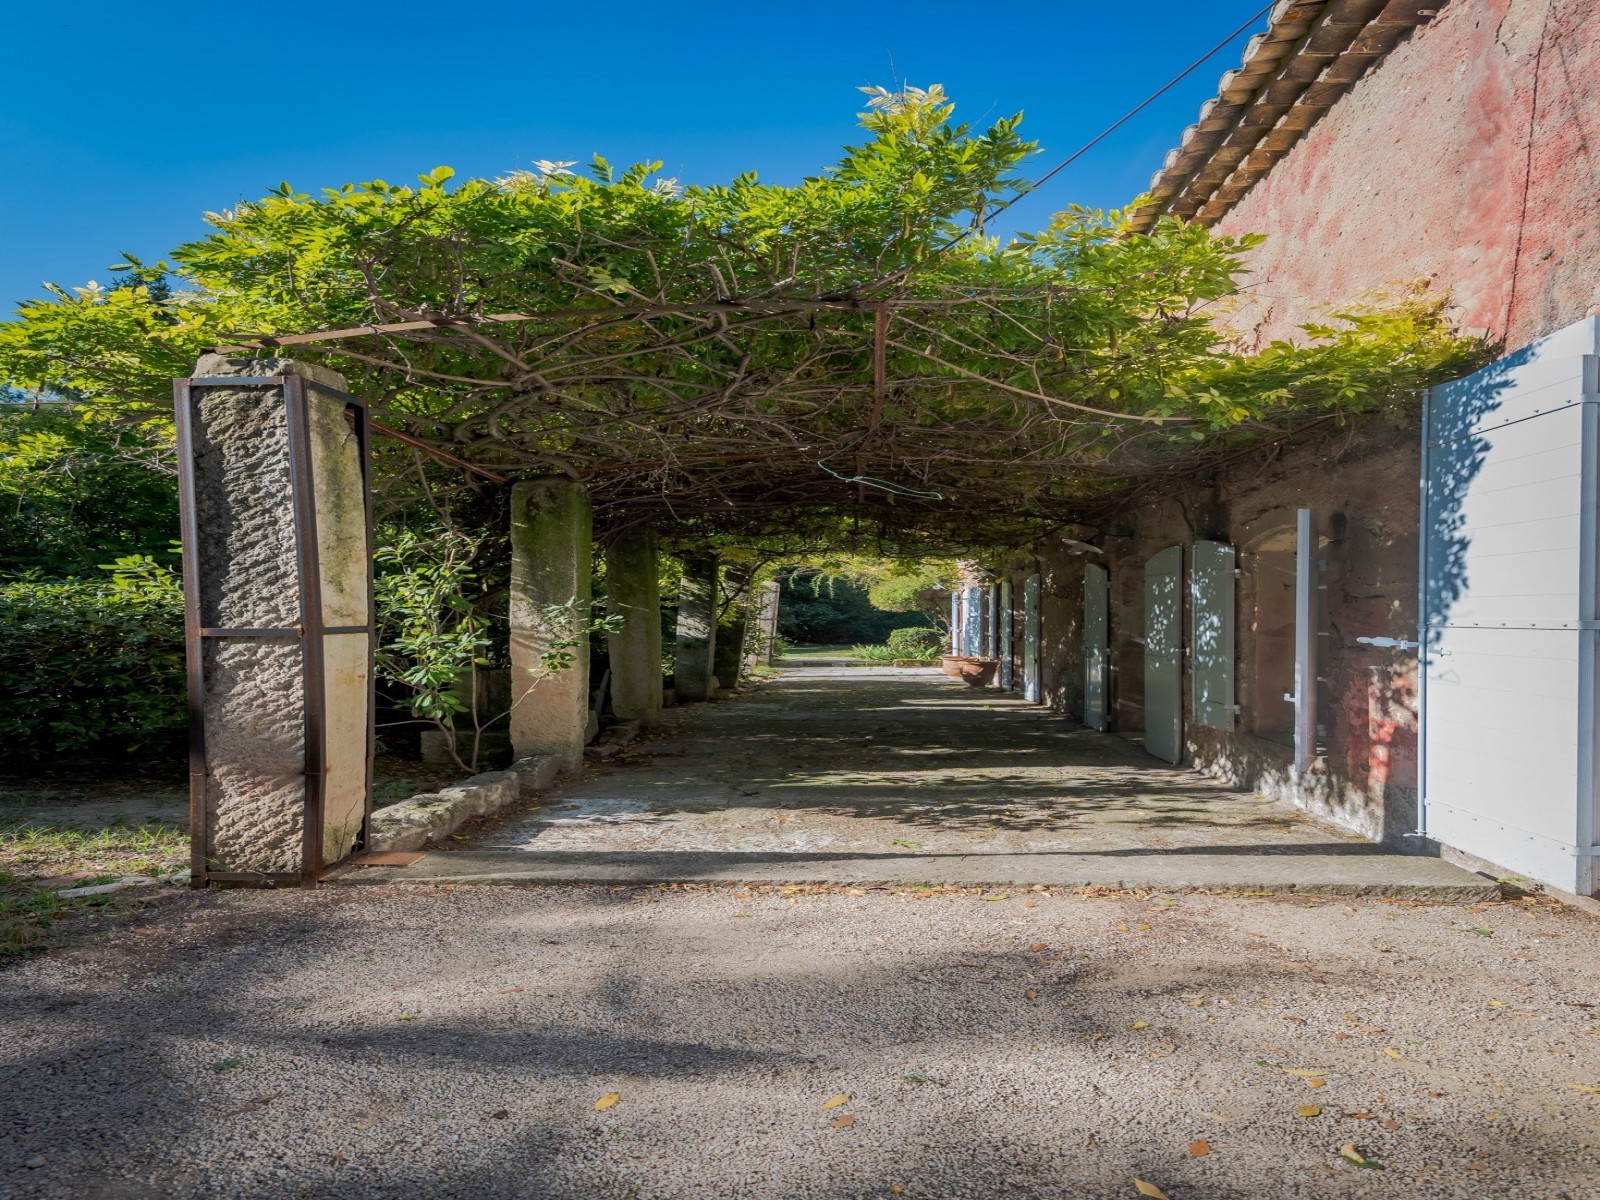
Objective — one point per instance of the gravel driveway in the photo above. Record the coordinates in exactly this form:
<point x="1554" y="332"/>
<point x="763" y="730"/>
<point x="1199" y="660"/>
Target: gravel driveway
<point x="399" y="1042"/>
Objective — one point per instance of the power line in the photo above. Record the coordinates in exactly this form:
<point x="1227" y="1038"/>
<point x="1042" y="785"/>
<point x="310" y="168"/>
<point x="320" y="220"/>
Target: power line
<point x="1114" y="126"/>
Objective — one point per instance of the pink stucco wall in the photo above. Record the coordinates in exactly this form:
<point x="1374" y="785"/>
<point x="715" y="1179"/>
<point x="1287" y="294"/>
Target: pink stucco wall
<point x="1469" y="158"/>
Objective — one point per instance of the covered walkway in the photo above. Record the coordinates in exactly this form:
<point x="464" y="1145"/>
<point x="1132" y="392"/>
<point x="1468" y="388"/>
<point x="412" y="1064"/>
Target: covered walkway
<point x="907" y="777"/>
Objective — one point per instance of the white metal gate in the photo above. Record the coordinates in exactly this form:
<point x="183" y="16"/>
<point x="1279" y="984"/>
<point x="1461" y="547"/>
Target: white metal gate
<point x="1031" y="687"/>
<point x="1096" y="613"/>
<point x="1509" y="610"/>
<point x="1163" y="654"/>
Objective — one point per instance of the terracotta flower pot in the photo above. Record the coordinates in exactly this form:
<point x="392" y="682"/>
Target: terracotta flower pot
<point x="951" y="664"/>
<point x="979" y="672"/>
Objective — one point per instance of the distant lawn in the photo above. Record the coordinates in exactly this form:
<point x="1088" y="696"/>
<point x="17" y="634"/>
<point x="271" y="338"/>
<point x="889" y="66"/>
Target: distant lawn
<point x="804" y="652"/>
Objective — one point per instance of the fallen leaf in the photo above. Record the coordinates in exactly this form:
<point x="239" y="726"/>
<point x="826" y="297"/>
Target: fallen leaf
<point x="1362" y="1116"/>
<point x="841" y="1121"/>
<point x="1477" y="1166"/>
<point x="1031" y="993"/>
<point x="407" y="1017"/>
<point x="1316" y="1082"/>
<point x="1037" y="948"/>
<point x="1309" y="1110"/>
<point x="1477" y="908"/>
<point x="1350" y="1154"/>
<point x="1390" y="1124"/>
<point x="607" y="1101"/>
<point x="1585" y="1088"/>
<point x="1310" y="1072"/>
<point x="1144" y="927"/>
<point x="1216" y="1116"/>
<point x="1149" y="1189"/>
<point x="1392" y="1052"/>
<point x="1344" y="1036"/>
<point x="1497" y="1004"/>
<point x="1140" y="1025"/>
<point x="896" y="1190"/>
<point x="1199" y="1148"/>
<point x="838" y="1101"/>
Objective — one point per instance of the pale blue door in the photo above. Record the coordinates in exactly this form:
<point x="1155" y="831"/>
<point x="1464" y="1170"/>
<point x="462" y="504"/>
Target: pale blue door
<point x="1163" y="655"/>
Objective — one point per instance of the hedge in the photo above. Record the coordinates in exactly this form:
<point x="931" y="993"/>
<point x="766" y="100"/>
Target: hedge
<point x="89" y="665"/>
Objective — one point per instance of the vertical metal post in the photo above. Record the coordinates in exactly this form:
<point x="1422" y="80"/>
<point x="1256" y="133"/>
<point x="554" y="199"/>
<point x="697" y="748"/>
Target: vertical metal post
<point x="193" y="643"/>
<point x="1305" y="643"/>
<point x="1424" y="539"/>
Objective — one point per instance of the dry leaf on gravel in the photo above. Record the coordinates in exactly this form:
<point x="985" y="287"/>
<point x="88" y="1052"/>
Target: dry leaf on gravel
<point x="1199" y="1148"/>
<point x="1140" y="1025"/>
<point x="1582" y="1087"/>
<point x="1037" y="948"/>
<point x="1316" y="1082"/>
<point x="1310" y="1072"/>
<point x="607" y="1101"/>
<point x="1350" y="1154"/>
<point x="1149" y="1189"/>
<point x="838" y="1101"/>
<point x="1309" y="1110"/>
<point x="1392" y="1052"/>
<point x="841" y="1121"/>
<point x="1031" y="993"/>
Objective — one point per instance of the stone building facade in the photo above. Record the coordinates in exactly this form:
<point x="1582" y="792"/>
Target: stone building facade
<point x="1381" y="146"/>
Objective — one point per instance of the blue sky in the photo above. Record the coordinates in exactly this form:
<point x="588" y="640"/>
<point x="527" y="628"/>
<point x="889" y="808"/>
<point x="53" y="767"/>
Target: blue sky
<point x="126" y="121"/>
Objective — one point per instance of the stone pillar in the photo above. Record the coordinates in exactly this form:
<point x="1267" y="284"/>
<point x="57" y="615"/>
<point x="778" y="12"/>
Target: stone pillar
<point x="766" y="625"/>
<point x="279" y="618"/>
<point x="728" y="661"/>
<point x="551" y="552"/>
<point x="697" y="627"/>
<point x="633" y="589"/>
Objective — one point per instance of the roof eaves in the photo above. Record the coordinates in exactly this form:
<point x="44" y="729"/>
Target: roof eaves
<point x="1311" y="54"/>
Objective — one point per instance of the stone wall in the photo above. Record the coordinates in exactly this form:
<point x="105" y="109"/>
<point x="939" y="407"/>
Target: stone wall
<point x="1467" y="158"/>
<point x="1361" y="486"/>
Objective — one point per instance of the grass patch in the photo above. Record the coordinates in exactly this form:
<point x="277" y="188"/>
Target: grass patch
<point x="30" y="853"/>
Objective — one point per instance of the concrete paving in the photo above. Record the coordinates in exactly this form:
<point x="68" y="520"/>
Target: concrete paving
<point x="879" y="776"/>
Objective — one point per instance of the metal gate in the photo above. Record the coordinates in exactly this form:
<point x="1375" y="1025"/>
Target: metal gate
<point x="1509" y="610"/>
<point x="1031" y="686"/>
<point x="1163" y="655"/>
<point x="1096" y="622"/>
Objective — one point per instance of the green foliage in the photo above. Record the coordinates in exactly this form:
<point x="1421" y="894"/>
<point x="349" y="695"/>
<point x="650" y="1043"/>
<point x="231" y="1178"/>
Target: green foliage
<point x="92" y="665"/>
<point x="875" y="653"/>
<point x="74" y="490"/>
<point x="429" y="634"/>
<point x="570" y="625"/>
<point x="915" y="642"/>
<point x="815" y="609"/>
<point x="1023" y="381"/>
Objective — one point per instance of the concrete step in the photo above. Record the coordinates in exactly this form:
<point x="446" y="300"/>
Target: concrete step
<point x="1357" y="873"/>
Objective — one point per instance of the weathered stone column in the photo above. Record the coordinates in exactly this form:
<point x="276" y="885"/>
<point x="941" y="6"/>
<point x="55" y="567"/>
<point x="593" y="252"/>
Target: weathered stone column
<point x="633" y="590"/>
<point x="697" y="627"/>
<point x="766" y="625"/>
<point x="728" y="660"/>
<point x="279" y="618"/>
<point x="551" y="553"/>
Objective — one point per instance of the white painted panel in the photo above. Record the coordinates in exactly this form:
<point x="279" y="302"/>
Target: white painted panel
<point x="1096" y="624"/>
<point x="1032" y="685"/>
<point x="1211" y="635"/>
<point x="1163" y="654"/>
<point x="1508" y="524"/>
<point x="972" y="621"/>
<point x="1509" y="679"/>
<point x="1532" y="381"/>
<point x="1007" y="610"/>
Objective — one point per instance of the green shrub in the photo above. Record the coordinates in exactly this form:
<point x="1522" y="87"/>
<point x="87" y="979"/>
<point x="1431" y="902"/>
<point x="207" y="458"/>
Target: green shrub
<point x="874" y="653"/>
<point x="91" y="664"/>
<point x="917" y="641"/>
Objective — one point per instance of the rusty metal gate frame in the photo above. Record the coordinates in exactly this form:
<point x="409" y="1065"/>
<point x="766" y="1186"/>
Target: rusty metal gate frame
<point x="309" y="631"/>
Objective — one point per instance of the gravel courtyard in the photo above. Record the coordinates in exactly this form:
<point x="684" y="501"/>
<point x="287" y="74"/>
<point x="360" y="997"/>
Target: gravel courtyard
<point x="396" y="1042"/>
